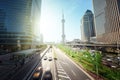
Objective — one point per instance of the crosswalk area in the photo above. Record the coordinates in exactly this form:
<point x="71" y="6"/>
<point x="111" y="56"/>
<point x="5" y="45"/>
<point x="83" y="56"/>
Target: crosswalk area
<point x="62" y="75"/>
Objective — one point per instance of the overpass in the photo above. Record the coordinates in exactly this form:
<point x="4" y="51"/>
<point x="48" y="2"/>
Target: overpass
<point x="113" y="48"/>
<point x="92" y="45"/>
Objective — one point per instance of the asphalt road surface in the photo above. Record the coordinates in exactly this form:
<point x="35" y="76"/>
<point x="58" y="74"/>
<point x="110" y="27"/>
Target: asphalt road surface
<point x="24" y="70"/>
<point x="62" y="69"/>
<point x="46" y="63"/>
<point x="67" y="69"/>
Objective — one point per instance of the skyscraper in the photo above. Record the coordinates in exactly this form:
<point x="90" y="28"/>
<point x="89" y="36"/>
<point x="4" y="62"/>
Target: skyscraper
<point x="87" y="26"/>
<point x="35" y="15"/>
<point x="35" y="19"/>
<point x="16" y="22"/>
<point x="107" y="20"/>
<point x="2" y="21"/>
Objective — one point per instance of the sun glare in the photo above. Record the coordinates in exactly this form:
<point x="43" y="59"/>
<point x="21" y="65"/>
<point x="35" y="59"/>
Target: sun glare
<point x="45" y="24"/>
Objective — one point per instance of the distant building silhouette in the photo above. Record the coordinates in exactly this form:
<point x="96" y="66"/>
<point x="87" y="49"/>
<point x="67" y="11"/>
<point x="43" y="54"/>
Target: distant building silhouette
<point x="87" y="26"/>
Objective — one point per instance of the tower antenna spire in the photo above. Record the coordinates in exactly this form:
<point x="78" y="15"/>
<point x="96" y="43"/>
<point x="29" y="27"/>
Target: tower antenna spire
<point x="62" y="14"/>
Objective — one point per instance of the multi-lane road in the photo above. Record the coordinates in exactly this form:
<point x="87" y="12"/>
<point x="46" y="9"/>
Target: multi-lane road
<point x="62" y="69"/>
<point x="47" y="63"/>
<point x="67" y="69"/>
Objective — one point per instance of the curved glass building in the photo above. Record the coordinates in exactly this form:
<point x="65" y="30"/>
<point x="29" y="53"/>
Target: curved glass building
<point x="16" y="22"/>
<point x="87" y="26"/>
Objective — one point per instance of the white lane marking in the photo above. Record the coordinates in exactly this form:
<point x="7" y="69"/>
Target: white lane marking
<point x="61" y="72"/>
<point x="64" y="71"/>
<point x="54" y="65"/>
<point x="60" y="68"/>
<point x="59" y="65"/>
<point x="76" y="64"/>
<point x="73" y="73"/>
<point x="63" y="76"/>
<point x="64" y="63"/>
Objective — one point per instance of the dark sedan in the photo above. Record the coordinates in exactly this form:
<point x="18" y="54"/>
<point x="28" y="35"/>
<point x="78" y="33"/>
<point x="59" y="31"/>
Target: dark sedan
<point x="47" y="75"/>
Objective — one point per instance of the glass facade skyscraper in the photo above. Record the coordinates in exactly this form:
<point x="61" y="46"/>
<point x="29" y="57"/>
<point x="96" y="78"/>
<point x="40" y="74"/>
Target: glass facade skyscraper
<point x="87" y="26"/>
<point x="16" y="22"/>
<point x="2" y="21"/>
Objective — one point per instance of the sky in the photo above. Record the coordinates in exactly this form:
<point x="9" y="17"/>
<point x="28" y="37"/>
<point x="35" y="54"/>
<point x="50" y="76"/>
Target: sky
<point x="51" y="15"/>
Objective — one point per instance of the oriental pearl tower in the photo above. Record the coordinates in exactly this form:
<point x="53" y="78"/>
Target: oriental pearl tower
<point x="63" y="33"/>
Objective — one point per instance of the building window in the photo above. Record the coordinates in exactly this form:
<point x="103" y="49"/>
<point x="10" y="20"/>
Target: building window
<point x="118" y="2"/>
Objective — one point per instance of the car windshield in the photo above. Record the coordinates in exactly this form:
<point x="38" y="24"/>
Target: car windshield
<point x="60" y="39"/>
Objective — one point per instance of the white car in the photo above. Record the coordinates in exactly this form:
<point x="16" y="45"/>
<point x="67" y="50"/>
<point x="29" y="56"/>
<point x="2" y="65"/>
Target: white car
<point x="45" y="58"/>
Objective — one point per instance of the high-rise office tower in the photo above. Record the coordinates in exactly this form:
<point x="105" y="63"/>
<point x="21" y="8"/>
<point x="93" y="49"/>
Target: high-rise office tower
<point x="16" y="22"/>
<point x="2" y="21"/>
<point x="35" y="15"/>
<point x="87" y="26"/>
<point x="63" y="29"/>
<point x="35" y="19"/>
<point x="107" y="20"/>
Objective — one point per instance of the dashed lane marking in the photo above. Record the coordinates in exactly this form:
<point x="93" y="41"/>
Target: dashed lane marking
<point x="61" y="72"/>
<point x="73" y="72"/>
<point x="76" y="65"/>
<point x="63" y="76"/>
